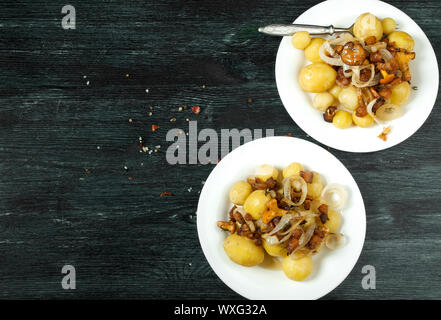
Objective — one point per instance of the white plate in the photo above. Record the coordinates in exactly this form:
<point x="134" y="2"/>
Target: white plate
<point x="342" y="13"/>
<point x="330" y="267"/>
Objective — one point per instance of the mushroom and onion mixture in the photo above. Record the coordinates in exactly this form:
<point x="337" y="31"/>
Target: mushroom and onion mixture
<point x="359" y="78"/>
<point x="289" y="216"/>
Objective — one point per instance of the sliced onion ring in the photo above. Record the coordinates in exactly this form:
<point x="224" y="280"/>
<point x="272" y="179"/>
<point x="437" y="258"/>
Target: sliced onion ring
<point x="282" y="223"/>
<point x="248" y="222"/>
<point x="335" y="196"/>
<point x="288" y="183"/>
<point x="388" y="112"/>
<point x="335" y="240"/>
<point x="333" y="61"/>
<point x="371" y="113"/>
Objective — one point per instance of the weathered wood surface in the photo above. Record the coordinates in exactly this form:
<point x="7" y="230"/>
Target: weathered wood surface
<point x="65" y="197"/>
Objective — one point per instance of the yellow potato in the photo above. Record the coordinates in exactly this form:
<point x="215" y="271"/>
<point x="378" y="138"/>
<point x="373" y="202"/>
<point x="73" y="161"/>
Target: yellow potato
<point x="348" y="98"/>
<point x="315" y="188"/>
<point x="334" y="221"/>
<point x="368" y="25"/>
<point x="400" y="93"/>
<point x="275" y="250"/>
<point x="342" y="119"/>
<point x="243" y="251"/>
<point x="317" y="77"/>
<point x="300" y="40"/>
<point x="312" y="50"/>
<point x="265" y="171"/>
<point x="297" y="269"/>
<point x="322" y="101"/>
<point x="388" y="25"/>
<point x="292" y="170"/>
<point x="255" y="203"/>
<point x="362" y="122"/>
<point x="402" y="40"/>
<point x="240" y="192"/>
<point x="335" y="91"/>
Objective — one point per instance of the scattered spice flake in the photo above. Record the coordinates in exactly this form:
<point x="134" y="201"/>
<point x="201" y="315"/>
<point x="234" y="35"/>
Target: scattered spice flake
<point x="172" y="119"/>
<point x="288" y="135"/>
<point x="88" y="82"/>
<point x="127" y="75"/>
<point x="204" y="86"/>
<point x="155" y="127"/>
<point x="196" y="109"/>
<point x="180" y="108"/>
<point x="166" y="194"/>
<point x="185" y="107"/>
<point x="187" y="120"/>
<point x="151" y="108"/>
<point x="383" y="135"/>
<point x="250" y="100"/>
<point x="150" y="114"/>
<point x="147" y="90"/>
<point x="144" y="149"/>
<point x="130" y="178"/>
<point x="130" y="120"/>
<point x="156" y="150"/>
<point x="88" y="171"/>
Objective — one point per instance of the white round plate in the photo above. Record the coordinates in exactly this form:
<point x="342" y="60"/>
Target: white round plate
<point x="424" y="69"/>
<point x="330" y="267"/>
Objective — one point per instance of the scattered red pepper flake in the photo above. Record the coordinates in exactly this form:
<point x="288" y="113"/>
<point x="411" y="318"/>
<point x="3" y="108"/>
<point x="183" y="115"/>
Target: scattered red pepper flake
<point x="166" y="194"/>
<point x="88" y="171"/>
<point x="196" y="109"/>
<point x="288" y="135"/>
<point x="155" y="127"/>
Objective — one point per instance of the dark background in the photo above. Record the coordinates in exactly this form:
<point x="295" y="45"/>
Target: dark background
<point x="66" y="198"/>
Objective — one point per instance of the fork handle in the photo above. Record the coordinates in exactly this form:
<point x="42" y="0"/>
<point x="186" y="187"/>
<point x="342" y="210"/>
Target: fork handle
<point x="290" y="29"/>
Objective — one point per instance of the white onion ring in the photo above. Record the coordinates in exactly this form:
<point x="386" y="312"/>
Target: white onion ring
<point x="286" y="218"/>
<point x="386" y="55"/>
<point x="335" y="240"/>
<point x="333" y="61"/>
<point x="371" y="113"/>
<point x="250" y="222"/>
<point x="288" y="183"/>
<point x="389" y="112"/>
<point x="335" y="196"/>
<point x="356" y="76"/>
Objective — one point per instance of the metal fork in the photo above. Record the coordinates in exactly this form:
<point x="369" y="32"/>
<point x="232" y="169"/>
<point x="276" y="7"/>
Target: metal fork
<point x="290" y="29"/>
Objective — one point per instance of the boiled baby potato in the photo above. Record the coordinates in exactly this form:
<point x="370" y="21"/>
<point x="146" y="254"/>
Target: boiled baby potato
<point x="300" y="40"/>
<point x="312" y="50"/>
<point x="316" y="186"/>
<point x="334" y="221"/>
<point x="368" y="25"/>
<point x="275" y="250"/>
<point x="243" y="251"/>
<point x="402" y="40"/>
<point x="240" y="192"/>
<point x="322" y="101"/>
<point x="342" y="119"/>
<point x="400" y="93"/>
<point x="335" y="91"/>
<point x="362" y="122"/>
<point x="348" y="98"/>
<point x="265" y="171"/>
<point x="317" y="77"/>
<point x="292" y="170"/>
<point x="255" y="203"/>
<point x="389" y="25"/>
<point x="297" y="269"/>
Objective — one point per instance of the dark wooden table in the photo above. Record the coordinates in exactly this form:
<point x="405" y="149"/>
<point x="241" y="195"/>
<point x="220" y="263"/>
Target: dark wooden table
<point x="75" y="187"/>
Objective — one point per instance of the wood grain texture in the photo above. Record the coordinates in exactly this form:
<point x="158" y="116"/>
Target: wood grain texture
<point x="65" y="197"/>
